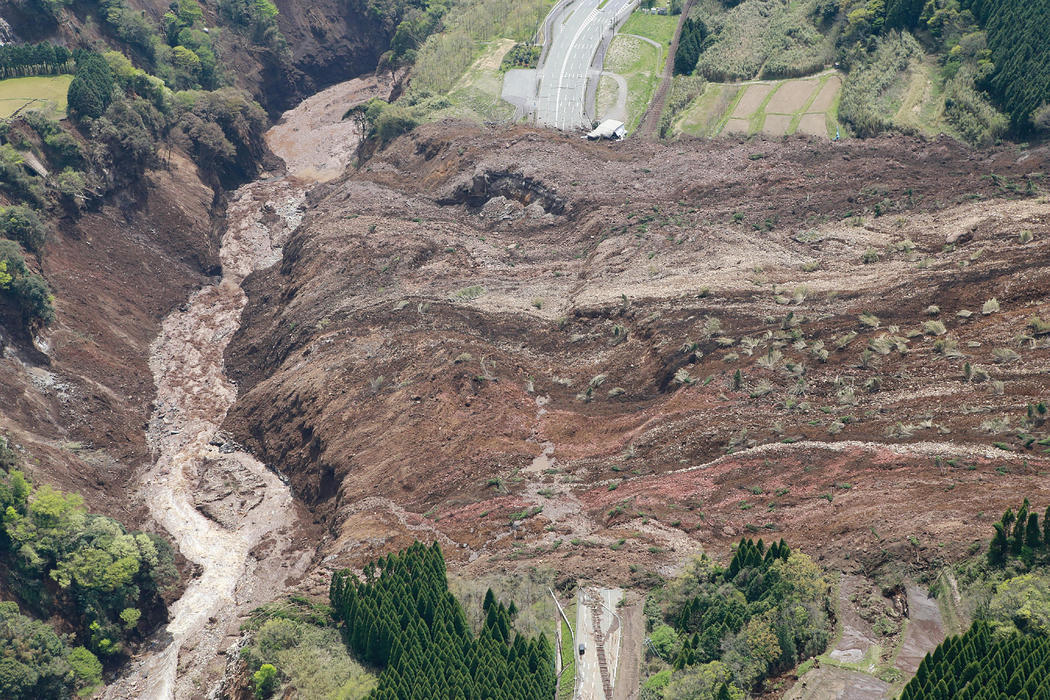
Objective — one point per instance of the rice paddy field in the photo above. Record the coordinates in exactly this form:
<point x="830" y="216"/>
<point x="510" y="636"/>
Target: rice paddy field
<point x="772" y="108"/>
<point x="47" y="93"/>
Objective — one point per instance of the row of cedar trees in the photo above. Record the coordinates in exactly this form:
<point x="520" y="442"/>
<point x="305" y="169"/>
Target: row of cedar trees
<point x="690" y="45"/>
<point x="20" y="60"/>
<point x="981" y="665"/>
<point x="402" y="618"/>
<point x="711" y="619"/>
<point x="1019" y="536"/>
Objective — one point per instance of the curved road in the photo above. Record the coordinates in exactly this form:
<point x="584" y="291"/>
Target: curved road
<point x="576" y="33"/>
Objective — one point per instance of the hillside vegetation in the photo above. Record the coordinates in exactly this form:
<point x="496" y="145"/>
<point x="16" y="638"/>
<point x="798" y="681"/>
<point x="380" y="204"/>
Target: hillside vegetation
<point x="979" y="69"/>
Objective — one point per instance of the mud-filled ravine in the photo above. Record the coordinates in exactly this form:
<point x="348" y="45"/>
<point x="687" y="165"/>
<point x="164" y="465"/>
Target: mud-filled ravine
<point x="228" y="513"/>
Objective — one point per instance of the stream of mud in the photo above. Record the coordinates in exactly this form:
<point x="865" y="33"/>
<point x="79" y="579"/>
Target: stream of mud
<point x="227" y="512"/>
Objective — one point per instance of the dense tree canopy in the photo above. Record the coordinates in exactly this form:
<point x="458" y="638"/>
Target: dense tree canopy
<point x="63" y="560"/>
<point x="762" y="614"/>
<point x="402" y="618"/>
<point x="981" y="664"/>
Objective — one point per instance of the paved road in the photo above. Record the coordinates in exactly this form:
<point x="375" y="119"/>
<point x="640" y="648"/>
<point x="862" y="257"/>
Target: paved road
<point x="598" y="628"/>
<point x="576" y="32"/>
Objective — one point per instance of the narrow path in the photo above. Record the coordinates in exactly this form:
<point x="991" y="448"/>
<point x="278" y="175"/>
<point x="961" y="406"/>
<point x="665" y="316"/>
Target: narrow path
<point x="646" y="39"/>
<point x="619" y="110"/>
<point x="227" y="512"/>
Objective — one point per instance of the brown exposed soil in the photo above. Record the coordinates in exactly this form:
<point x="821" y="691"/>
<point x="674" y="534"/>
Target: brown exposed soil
<point x="78" y="407"/>
<point x="502" y="338"/>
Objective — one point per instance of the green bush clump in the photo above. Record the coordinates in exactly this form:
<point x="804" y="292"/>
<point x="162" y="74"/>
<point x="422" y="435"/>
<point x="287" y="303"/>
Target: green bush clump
<point x="28" y="290"/>
<point x="764" y="613"/>
<point x="522" y="55"/>
<point x="22" y="224"/>
<point x="35" y="662"/>
<point x="62" y="560"/>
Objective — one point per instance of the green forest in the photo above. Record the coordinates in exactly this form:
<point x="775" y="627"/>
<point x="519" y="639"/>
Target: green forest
<point x="59" y="560"/>
<point x="402" y="618"/>
<point x="725" y="630"/>
<point x="983" y="665"/>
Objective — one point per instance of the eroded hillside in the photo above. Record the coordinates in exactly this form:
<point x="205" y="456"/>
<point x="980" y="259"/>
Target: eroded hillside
<point x="540" y="349"/>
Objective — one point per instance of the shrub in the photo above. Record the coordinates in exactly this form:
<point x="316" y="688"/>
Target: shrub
<point x="34" y="298"/>
<point x="22" y="224"/>
<point x="933" y="328"/>
<point x="265" y="680"/>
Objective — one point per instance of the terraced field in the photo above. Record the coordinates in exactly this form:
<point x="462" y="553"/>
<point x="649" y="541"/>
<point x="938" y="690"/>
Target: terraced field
<point x="773" y="108"/>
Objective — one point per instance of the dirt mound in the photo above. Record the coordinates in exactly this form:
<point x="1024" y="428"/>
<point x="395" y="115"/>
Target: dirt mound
<point x="560" y="381"/>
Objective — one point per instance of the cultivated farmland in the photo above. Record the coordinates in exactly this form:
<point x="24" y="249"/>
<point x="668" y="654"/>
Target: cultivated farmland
<point x="774" y="108"/>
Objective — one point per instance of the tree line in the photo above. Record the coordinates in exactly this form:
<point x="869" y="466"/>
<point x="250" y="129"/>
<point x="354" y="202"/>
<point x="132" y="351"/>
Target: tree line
<point x="980" y="665"/>
<point x="690" y="46"/>
<point x="1018" y="36"/>
<point x="402" y="618"/>
<point x="21" y="60"/>
<point x="1019" y="535"/>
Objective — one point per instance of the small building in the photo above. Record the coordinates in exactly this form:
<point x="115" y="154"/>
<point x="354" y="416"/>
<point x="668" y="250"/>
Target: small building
<point x="608" y="129"/>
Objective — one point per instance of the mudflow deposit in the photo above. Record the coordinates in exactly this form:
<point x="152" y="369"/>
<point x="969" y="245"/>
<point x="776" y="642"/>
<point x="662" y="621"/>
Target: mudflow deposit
<point x="510" y="340"/>
<point x="599" y="358"/>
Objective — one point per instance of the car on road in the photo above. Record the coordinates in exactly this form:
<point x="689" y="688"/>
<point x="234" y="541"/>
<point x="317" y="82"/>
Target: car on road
<point x="583" y="647"/>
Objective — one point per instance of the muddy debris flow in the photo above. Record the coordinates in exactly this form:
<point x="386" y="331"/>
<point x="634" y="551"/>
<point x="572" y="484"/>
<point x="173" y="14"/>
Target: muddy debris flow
<point x="217" y="502"/>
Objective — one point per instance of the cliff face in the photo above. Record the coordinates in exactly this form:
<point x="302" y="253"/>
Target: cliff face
<point x="486" y="326"/>
<point x="79" y="402"/>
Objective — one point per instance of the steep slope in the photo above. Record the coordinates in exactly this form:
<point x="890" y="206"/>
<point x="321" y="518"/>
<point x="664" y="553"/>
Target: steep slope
<point x="517" y="343"/>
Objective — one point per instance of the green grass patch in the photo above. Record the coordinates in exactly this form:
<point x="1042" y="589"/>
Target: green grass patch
<point x="46" y="92"/>
<point x="659" y="28"/>
<point x="567" y="679"/>
<point x="641" y="64"/>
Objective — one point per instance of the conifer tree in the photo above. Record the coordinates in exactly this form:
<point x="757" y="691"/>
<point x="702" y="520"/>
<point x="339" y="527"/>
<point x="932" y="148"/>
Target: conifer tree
<point x="1031" y="538"/>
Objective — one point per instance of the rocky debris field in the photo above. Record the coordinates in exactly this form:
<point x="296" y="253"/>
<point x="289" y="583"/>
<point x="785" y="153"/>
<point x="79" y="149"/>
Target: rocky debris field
<point x="610" y="356"/>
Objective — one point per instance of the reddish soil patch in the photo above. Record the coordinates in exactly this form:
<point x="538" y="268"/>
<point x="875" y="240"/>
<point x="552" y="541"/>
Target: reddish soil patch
<point x="446" y="313"/>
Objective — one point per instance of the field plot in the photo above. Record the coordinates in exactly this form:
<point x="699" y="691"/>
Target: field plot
<point x="44" y="92"/>
<point x="659" y="28"/>
<point x="774" y="108"/>
<point x="640" y="62"/>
